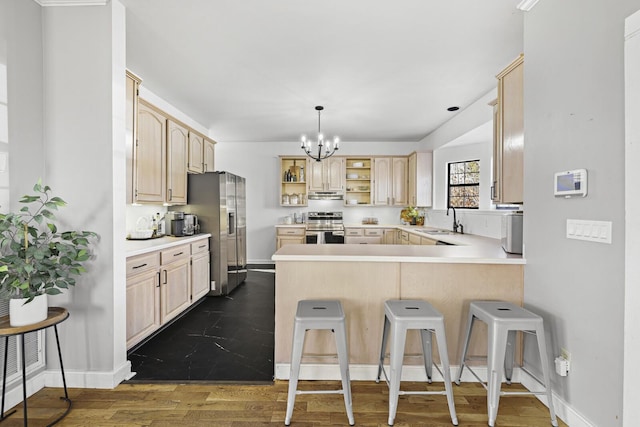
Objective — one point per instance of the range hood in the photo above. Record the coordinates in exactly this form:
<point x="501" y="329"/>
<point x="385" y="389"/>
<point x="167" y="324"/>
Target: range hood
<point x="325" y="195"/>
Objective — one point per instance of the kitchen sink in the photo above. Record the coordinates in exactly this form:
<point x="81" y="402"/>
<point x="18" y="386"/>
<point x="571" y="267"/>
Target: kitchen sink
<point x="436" y="232"/>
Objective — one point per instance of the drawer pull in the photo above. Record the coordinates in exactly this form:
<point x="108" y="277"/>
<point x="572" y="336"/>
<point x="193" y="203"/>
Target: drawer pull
<point x="202" y="246"/>
<point x="178" y="254"/>
<point x="158" y="280"/>
<point x="139" y="266"/>
<point x="165" y="277"/>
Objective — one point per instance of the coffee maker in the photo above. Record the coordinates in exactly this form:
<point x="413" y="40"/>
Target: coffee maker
<point x="175" y="223"/>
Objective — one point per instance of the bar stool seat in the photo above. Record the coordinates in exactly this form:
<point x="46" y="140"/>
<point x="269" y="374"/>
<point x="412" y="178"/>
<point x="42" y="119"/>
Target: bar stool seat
<point x="504" y="319"/>
<point x="319" y="314"/>
<point x="400" y="316"/>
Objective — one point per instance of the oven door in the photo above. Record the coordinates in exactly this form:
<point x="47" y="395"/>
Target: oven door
<point x="334" y="237"/>
<point x="314" y="237"/>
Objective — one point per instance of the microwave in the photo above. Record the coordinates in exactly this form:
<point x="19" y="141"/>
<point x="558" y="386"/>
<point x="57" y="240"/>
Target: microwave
<point x="512" y="233"/>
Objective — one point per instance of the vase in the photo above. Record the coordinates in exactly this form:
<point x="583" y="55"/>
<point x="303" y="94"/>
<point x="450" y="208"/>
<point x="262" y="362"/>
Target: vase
<point x="413" y="220"/>
<point x="21" y="314"/>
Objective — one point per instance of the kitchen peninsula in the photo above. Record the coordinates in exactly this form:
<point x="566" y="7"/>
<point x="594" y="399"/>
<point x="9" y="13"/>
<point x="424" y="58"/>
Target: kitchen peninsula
<point x="364" y="276"/>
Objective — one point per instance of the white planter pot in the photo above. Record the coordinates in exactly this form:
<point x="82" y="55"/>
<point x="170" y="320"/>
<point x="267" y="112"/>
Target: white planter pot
<point x="21" y="314"/>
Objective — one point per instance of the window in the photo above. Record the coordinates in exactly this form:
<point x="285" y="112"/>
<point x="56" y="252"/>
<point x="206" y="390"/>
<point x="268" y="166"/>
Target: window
<point x="463" y="188"/>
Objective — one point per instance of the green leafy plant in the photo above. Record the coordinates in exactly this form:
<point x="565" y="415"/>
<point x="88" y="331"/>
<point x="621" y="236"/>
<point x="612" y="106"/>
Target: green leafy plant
<point x="35" y="257"/>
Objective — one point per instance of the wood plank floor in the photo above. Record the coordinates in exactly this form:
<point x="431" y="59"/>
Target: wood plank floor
<point x="201" y="404"/>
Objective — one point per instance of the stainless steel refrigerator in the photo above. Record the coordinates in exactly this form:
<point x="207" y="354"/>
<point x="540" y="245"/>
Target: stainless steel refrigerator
<point x="219" y="201"/>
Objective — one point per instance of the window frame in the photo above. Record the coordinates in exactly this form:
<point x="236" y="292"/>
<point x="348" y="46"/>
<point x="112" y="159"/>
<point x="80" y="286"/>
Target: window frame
<point x="449" y="185"/>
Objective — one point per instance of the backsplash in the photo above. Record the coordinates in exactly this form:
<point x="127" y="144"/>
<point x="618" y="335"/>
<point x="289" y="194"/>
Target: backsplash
<point x="482" y="223"/>
<point x="135" y="212"/>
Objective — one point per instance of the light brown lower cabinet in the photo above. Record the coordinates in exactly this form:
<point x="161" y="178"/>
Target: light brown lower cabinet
<point x="161" y="284"/>
<point x="200" y="281"/>
<point x="175" y="293"/>
<point x="143" y="297"/>
<point x="290" y="236"/>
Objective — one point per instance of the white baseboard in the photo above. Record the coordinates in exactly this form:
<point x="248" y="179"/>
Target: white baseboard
<point x="563" y="410"/>
<point x="309" y="371"/>
<point x="261" y="261"/>
<point x="82" y="379"/>
<point x="14" y="394"/>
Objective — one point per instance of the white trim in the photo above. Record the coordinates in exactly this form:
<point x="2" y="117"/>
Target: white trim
<point x="630" y="392"/>
<point x="14" y="395"/>
<point x="47" y="3"/>
<point x="81" y="379"/>
<point x="563" y="410"/>
<point x="329" y="372"/>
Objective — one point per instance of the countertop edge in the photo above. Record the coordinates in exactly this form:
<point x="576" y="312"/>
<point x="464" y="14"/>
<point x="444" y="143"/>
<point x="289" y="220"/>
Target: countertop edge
<point x="140" y="247"/>
<point x="399" y="259"/>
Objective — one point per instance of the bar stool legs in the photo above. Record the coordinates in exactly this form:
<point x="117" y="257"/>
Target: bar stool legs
<point x="317" y="314"/>
<point x="503" y="320"/>
<point x="400" y="316"/>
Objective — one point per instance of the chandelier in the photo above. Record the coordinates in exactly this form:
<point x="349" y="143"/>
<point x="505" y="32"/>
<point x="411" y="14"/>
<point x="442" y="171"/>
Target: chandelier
<point x="325" y="148"/>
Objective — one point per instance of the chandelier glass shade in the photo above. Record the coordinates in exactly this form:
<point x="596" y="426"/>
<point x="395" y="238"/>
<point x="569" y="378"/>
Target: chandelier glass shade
<point x="320" y="149"/>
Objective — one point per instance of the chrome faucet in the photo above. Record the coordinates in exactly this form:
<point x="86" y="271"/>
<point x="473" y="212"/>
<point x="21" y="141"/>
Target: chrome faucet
<point x="456" y="224"/>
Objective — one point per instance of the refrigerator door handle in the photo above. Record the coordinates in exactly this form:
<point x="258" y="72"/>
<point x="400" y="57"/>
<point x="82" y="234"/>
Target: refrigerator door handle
<point x="232" y="223"/>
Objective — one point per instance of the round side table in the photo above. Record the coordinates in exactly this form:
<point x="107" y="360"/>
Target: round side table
<point x="55" y="316"/>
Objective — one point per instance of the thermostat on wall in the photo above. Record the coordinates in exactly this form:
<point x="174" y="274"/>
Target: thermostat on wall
<point x="571" y="183"/>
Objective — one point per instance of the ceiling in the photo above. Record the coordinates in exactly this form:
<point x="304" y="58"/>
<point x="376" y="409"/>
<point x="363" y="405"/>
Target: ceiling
<point x="385" y="70"/>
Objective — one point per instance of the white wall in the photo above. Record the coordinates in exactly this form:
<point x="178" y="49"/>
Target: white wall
<point x="258" y="163"/>
<point x="84" y="57"/>
<point x="574" y="118"/>
<point x="24" y="95"/>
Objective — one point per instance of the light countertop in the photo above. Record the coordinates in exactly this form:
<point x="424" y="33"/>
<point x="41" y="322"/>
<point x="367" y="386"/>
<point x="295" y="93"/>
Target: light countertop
<point x="468" y="249"/>
<point x="139" y="247"/>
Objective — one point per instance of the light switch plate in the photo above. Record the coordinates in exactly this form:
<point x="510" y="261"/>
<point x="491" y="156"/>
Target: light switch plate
<point x="592" y="231"/>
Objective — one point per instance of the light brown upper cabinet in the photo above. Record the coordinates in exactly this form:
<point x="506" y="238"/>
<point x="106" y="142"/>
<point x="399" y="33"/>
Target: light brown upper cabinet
<point x="391" y="181"/>
<point x="209" y="155"/>
<point x="421" y="179"/>
<point x="326" y="175"/>
<point x="196" y="153"/>
<point x="508" y="137"/>
<point x="149" y="156"/>
<point x="177" y="148"/>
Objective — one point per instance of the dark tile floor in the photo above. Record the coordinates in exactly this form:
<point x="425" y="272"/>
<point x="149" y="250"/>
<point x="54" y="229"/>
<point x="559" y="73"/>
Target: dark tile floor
<point x="226" y="338"/>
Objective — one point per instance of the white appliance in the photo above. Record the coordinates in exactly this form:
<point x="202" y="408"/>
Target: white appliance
<point x="512" y="232"/>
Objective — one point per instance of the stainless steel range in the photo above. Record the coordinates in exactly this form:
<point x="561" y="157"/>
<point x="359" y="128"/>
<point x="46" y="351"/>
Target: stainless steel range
<point x="325" y="228"/>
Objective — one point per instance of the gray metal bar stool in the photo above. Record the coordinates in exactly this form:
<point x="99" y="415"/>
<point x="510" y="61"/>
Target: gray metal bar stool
<point x="319" y="314"/>
<point x="504" y="319"/>
<point x="400" y="316"/>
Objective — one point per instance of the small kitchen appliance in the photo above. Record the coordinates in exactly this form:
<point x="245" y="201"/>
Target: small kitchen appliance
<point x="191" y="226"/>
<point x="512" y="232"/>
<point x="175" y="222"/>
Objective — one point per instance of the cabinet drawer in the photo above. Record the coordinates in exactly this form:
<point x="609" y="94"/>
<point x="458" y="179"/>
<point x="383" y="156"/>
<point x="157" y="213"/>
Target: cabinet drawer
<point x="354" y="232"/>
<point x="371" y="240"/>
<point x="200" y="246"/>
<point x="373" y="232"/>
<point x="174" y="254"/>
<point x="291" y="231"/>
<point x="142" y="263"/>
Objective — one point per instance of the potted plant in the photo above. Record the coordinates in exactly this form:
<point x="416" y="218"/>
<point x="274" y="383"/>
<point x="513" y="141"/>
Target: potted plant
<point x="37" y="259"/>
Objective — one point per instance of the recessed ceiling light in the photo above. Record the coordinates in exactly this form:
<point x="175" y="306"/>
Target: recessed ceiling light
<point x="453" y="108"/>
<point x="526" y="5"/>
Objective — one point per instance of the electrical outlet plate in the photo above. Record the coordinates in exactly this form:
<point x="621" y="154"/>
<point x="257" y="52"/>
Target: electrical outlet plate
<point x="593" y="231"/>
